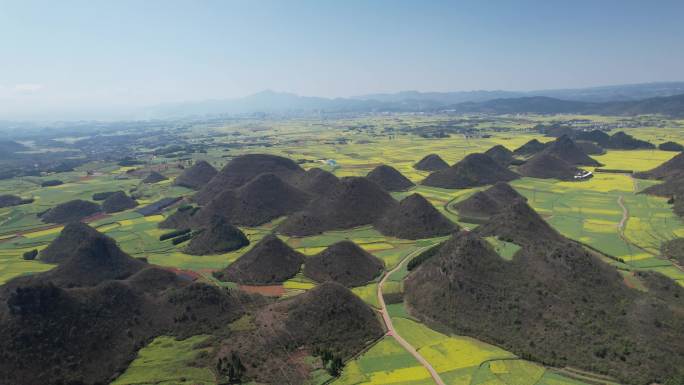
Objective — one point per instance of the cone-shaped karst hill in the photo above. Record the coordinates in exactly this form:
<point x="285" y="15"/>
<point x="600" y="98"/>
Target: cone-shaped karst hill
<point x="270" y="261"/>
<point x="356" y="201"/>
<point x="261" y="200"/>
<point x="93" y="258"/>
<point x="431" y="162"/>
<point x="493" y="200"/>
<point x="219" y="236"/>
<point x="389" y="178"/>
<point x="154" y="177"/>
<point x="530" y="148"/>
<point x="345" y="263"/>
<point x="565" y="149"/>
<point x="69" y="239"/>
<point x="70" y="211"/>
<point x="500" y="154"/>
<point x="547" y="166"/>
<point x="118" y="201"/>
<point x="415" y="218"/>
<point x="472" y="171"/>
<point x="244" y="168"/>
<point x="196" y="176"/>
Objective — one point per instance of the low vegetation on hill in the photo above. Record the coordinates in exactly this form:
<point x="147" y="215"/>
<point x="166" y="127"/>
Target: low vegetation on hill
<point x="261" y="200"/>
<point x="328" y="318"/>
<point x="355" y="202"/>
<point x="154" y="177"/>
<point x="530" y="148"/>
<point x="219" y="236"/>
<point x="590" y="148"/>
<point x="546" y="166"/>
<point x="118" y="201"/>
<point x="484" y="204"/>
<point x="500" y="154"/>
<point x="431" y="162"/>
<point x="389" y="178"/>
<point x="672" y="174"/>
<point x="555" y="302"/>
<point x="674" y="249"/>
<point x="242" y="169"/>
<point x="8" y="200"/>
<point x="69" y="239"/>
<point x="70" y="211"/>
<point x="415" y="218"/>
<point x="565" y="149"/>
<point x="473" y="171"/>
<point x="671" y="146"/>
<point x="196" y="176"/>
<point x="270" y="261"/>
<point x="345" y="263"/>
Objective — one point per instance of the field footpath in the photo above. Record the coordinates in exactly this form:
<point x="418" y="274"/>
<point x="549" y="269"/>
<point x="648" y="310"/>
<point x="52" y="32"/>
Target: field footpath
<point x="621" y="232"/>
<point x="390" y="327"/>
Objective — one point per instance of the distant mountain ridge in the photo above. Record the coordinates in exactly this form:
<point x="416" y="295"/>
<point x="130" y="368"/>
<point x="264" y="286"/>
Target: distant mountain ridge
<point x="620" y="100"/>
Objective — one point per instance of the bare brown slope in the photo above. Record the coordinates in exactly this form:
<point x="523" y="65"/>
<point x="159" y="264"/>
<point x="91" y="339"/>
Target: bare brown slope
<point x="196" y="176"/>
<point x="564" y="148"/>
<point x="547" y="166"/>
<point x="500" y="154"/>
<point x="345" y="263"/>
<point x="555" y="304"/>
<point x="261" y="200"/>
<point x="474" y="170"/>
<point x="484" y="204"/>
<point x="219" y="236"/>
<point x="70" y="211"/>
<point x="270" y="261"/>
<point x="241" y="170"/>
<point x="355" y="202"/>
<point x="431" y="162"/>
<point x="415" y="218"/>
<point x="389" y="178"/>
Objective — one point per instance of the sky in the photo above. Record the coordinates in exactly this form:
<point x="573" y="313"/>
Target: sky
<point x="84" y="56"/>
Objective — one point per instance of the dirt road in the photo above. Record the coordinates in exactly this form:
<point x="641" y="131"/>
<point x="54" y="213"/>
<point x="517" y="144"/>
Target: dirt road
<point x="390" y="328"/>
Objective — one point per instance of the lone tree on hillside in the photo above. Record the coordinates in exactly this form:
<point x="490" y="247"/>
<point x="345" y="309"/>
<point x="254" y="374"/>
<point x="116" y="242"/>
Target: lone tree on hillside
<point x="231" y="370"/>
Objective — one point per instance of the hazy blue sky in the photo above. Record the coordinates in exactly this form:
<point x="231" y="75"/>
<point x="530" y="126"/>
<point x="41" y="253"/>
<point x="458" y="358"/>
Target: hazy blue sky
<point x="90" y="54"/>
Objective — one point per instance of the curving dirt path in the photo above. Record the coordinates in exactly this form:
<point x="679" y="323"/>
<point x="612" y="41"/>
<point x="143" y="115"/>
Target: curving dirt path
<point x="625" y="216"/>
<point x="390" y="327"/>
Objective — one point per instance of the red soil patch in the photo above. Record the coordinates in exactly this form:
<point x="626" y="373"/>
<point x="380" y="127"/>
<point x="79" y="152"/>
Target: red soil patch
<point x="95" y="217"/>
<point x="193" y="275"/>
<point x="628" y="281"/>
<point x="270" y="291"/>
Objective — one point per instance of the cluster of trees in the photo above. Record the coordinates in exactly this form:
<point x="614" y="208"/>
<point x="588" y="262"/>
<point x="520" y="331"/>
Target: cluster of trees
<point x="332" y="363"/>
<point x="230" y="370"/>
